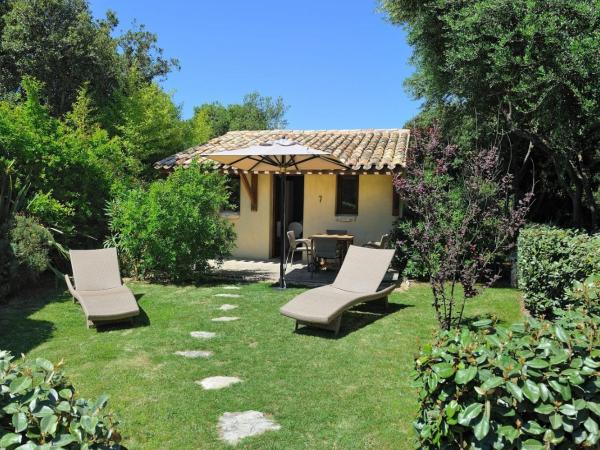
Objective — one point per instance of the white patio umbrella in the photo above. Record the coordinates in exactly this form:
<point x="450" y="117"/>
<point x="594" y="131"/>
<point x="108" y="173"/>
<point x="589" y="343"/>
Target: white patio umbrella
<point x="281" y="156"/>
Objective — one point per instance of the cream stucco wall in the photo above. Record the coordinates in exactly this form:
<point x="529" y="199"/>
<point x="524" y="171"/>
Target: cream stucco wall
<point x="374" y="217"/>
<point x="374" y="207"/>
<point x="253" y="228"/>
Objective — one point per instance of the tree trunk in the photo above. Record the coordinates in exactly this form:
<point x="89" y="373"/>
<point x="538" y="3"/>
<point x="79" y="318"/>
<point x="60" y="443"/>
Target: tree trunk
<point x="591" y="201"/>
<point x="575" y="194"/>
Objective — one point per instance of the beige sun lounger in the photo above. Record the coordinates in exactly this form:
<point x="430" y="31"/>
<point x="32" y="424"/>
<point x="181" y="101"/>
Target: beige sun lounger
<point x="98" y="286"/>
<point x="357" y="282"/>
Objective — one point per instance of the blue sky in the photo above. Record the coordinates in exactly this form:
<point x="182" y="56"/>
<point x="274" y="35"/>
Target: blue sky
<point x="337" y="64"/>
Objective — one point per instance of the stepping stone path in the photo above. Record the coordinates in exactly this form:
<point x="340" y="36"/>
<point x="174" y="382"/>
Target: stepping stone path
<point x="194" y="353"/>
<point x="235" y="426"/>
<point x="225" y="319"/>
<point x="218" y="382"/>
<point x="227" y="307"/>
<point x="203" y="334"/>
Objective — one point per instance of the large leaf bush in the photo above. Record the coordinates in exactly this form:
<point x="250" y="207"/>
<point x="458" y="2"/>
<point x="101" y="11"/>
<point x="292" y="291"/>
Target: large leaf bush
<point x="532" y="386"/>
<point x="40" y="409"/>
<point x="550" y="260"/>
<point x="171" y="230"/>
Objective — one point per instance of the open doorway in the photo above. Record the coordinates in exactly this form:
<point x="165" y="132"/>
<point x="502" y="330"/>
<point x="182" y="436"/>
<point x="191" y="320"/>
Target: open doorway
<point x="294" y="210"/>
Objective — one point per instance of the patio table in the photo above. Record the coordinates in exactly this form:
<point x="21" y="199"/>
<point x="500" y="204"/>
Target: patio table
<point x="344" y="241"/>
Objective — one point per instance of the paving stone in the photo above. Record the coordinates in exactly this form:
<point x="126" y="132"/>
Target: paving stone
<point x="227" y="307"/>
<point x="228" y="295"/>
<point x="194" y="353"/>
<point x="232" y="288"/>
<point x="218" y="382"/>
<point x="235" y="426"/>
<point x="225" y="319"/>
<point x="203" y="334"/>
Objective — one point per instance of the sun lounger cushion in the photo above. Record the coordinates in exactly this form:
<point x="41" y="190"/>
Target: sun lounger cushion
<point x="108" y="304"/>
<point x="98" y="287"/>
<point x="95" y="270"/>
<point x="363" y="269"/>
<point x="357" y="282"/>
<point x="323" y="304"/>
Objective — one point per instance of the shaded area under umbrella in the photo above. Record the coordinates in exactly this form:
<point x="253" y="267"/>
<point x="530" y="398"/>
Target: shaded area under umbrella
<point x="280" y="156"/>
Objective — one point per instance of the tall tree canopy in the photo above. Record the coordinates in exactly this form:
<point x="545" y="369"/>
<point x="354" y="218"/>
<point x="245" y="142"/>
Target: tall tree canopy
<point x="83" y="117"/>
<point x="521" y="74"/>
<point x="60" y="44"/>
<point x="254" y="113"/>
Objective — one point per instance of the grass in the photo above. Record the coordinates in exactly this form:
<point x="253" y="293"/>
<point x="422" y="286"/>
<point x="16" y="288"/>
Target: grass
<point x="351" y="392"/>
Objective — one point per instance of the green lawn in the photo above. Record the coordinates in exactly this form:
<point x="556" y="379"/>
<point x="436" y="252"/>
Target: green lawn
<point x="350" y="392"/>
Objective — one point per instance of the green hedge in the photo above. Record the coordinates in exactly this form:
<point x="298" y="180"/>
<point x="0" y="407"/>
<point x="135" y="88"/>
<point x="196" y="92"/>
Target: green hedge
<point x="550" y="260"/>
<point x="39" y="409"/>
<point x="532" y="386"/>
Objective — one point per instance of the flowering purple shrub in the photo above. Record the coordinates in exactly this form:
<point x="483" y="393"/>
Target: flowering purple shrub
<point x="465" y="218"/>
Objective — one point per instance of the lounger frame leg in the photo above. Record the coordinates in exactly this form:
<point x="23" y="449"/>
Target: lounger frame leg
<point x="334" y="325"/>
<point x="337" y="323"/>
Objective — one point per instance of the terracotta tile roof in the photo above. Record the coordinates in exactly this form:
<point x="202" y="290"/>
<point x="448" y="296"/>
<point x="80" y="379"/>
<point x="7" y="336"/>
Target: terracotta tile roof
<point x="368" y="149"/>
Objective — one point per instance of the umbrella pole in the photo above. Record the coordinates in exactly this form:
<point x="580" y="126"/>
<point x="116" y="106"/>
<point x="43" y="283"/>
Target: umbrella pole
<point x="283" y="236"/>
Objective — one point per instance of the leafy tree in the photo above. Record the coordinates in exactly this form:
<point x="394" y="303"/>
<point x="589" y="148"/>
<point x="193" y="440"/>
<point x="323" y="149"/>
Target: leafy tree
<point x="7" y="64"/>
<point x="73" y="167"/>
<point x="524" y="71"/>
<point x="142" y="54"/>
<point x="463" y="222"/>
<point x="60" y="44"/>
<point x="150" y="123"/>
<point x="254" y="113"/>
<point x="200" y="127"/>
<point x="257" y="113"/>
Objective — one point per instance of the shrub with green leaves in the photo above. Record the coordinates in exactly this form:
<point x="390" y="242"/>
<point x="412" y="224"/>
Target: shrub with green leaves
<point x="407" y="260"/>
<point x="532" y="386"/>
<point x="585" y="295"/>
<point x="24" y="253"/>
<point x="39" y="409"/>
<point x="31" y="243"/>
<point x="550" y="260"/>
<point x="171" y="230"/>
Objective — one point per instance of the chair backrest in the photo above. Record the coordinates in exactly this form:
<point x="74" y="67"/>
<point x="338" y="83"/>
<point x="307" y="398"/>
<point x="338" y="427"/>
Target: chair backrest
<point x="336" y="231"/>
<point x="384" y="241"/>
<point x="363" y="269"/>
<point x="296" y="227"/>
<point x="325" y="248"/>
<point x="95" y="270"/>
<point x="291" y="235"/>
